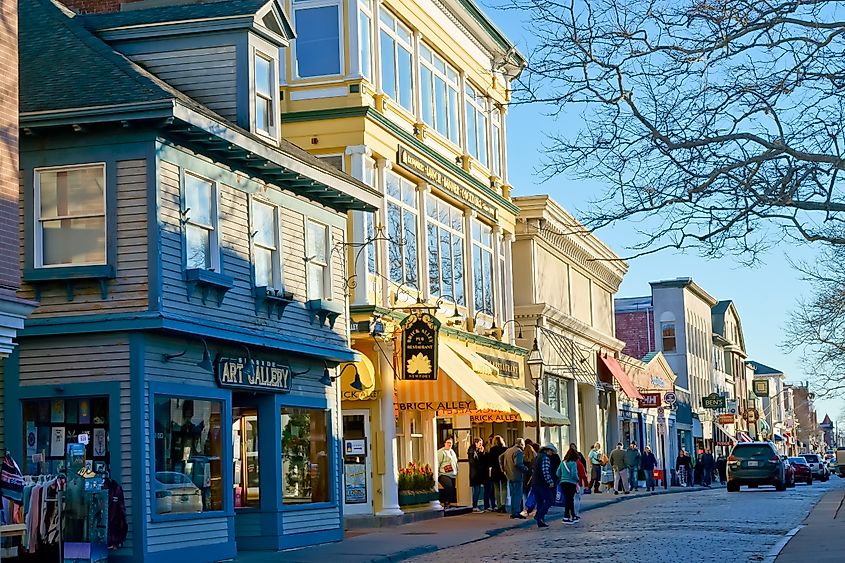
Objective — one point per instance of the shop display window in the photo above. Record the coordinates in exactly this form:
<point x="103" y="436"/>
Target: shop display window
<point x="50" y="424"/>
<point x="305" y="456"/>
<point x="188" y="455"/>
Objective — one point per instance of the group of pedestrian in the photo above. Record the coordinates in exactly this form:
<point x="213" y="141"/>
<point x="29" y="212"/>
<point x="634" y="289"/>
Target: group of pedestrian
<point x="626" y="465"/>
<point x="698" y="471"/>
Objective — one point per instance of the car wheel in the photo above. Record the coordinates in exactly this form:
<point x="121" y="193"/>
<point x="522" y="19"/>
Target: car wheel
<point x="780" y="486"/>
<point x="733" y="487"/>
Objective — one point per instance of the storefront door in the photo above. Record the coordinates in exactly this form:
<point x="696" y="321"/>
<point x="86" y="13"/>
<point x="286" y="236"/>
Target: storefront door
<point x="357" y="463"/>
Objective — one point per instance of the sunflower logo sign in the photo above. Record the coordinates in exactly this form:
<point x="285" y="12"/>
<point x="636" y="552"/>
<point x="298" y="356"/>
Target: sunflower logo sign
<point x="419" y="346"/>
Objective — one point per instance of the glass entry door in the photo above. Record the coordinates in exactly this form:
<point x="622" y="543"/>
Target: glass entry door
<point x="245" y="457"/>
<point x="357" y="463"/>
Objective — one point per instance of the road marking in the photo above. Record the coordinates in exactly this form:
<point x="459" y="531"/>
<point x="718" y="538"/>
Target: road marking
<point x="778" y="547"/>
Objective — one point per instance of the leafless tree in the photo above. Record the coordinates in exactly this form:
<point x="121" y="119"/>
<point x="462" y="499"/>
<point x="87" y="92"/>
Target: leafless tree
<point x="719" y="123"/>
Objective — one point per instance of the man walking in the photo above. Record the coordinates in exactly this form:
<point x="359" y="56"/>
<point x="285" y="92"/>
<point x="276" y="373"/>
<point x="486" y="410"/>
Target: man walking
<point x="620" y="470"/>
<point x="707" y="463"/>
<point x="514" y="469"/>
<point x="648" y="463"/>
<point x="632" y="463"/>
<point x="543" y="483"/>
<point x="596" y="464"/>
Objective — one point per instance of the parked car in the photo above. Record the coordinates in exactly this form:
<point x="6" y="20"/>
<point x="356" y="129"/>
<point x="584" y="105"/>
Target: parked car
<point x="753" y="464"/>
<point x="817" y="466"/>
<point x="840" y="461"/>
<point x="176" y="493"/>
<point x="803" y="473"/>
<point x="789" y="471"/>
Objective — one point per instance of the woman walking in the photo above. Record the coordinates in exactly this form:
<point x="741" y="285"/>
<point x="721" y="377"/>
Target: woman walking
<point x="477" y="471"/>
<point x="447" y="469"/>
<point x="497" y="475"/>
<point x="596" y="465"/>
<point x="567" y="474"/>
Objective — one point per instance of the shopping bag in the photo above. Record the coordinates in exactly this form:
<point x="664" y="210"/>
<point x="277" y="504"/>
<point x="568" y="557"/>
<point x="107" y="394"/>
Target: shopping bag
<point x="588" y="491"/>
<point x="607" y="475"/>
<point x="578" y="502"/>
<point x="530" y="501"/>
<point x="559" y="497"/>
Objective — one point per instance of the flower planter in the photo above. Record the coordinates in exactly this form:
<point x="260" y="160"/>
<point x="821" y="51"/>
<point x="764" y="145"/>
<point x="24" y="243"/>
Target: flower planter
<point x="407" y="498"/>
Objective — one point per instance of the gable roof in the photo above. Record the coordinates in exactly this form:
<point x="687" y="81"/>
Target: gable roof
<point x="193" y="11"/>
<point x="763" y="369"/>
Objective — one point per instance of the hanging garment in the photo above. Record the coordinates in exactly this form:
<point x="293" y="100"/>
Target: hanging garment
<point x="118" y="527"/>
<point x="33" y="519"/>
<point x="49" y="526"/>
<point x="11" y="479"/>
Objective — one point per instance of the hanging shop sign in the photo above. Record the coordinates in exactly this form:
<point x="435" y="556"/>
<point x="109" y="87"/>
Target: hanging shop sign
<point x="507" y="368"/>
<point x="420" y="332"/>
<point x="649" y="400"/>
<point x="751" y="415"/>
<point x="434" y="175"/>
<point x="761" y="387"/>
<point x="266" y="376"/>
<point x="713" y="401"/>
<point x="670" y="398"/>
<point x="726" y="419"/>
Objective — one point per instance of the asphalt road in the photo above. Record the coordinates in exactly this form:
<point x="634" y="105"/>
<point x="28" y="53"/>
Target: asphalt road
<point x="710" y="525"/>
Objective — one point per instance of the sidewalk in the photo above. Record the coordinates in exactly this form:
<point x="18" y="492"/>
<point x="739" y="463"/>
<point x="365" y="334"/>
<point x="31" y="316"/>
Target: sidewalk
<point x="821" y="538"/>
<point x="402" y="542"/>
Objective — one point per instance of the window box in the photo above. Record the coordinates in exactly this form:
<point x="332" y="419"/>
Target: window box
<point x="70" y="275"/>
<point x="407" y="498"/>
<point x="208" y="281"/>
<point x="274" y="299"/>
<point x="325" y="310"/>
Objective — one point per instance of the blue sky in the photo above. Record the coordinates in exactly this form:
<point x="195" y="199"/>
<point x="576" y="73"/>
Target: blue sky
<point x="763" y="294"/>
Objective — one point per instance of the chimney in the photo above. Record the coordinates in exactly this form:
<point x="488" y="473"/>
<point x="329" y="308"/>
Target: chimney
<point x="95" y="6"/>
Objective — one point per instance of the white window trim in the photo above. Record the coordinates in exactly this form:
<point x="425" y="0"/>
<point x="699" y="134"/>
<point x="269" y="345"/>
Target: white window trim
<point x="490" y="249"/>
<point x="455" y="233"/>
<point x="496" y="125"/>
<point x="404" y="207"/>
<point x="303" y="4"/>
<point x="275" y="114"/>
<point x="365" y="6"/>
<point x="277" y="257"/>
<point x="397" y="40"/>
<point x="214" y="236"/>
<point x="327" y="266"/>
<point x="456" y="85"/>
<point x="38" y="236"/>
<point x="482" y="109"/>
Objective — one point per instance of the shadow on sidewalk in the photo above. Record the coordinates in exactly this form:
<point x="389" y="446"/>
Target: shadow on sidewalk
<point x="821" y="538"/>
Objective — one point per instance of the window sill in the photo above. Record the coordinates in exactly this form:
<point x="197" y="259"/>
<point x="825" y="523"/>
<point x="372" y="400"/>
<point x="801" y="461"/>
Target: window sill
<point x="325" y="310"/>
<point x="70" y="275"/>
<point x="208" y="282"/>
<point x="307" y="506"/>
<point x="276" y="300"/>
<point x="167" y="517"/>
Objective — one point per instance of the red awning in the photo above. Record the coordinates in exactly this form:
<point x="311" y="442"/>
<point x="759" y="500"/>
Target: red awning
<point x="624" y="381"/>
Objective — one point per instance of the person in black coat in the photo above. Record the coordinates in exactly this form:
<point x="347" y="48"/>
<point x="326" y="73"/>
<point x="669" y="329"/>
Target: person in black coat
<point x="722" y="468"/>
<point x="648" y="463"/>
<point x="498" y="478"/>
<point x="478" y="472"/>
<point x="707" y="464"/>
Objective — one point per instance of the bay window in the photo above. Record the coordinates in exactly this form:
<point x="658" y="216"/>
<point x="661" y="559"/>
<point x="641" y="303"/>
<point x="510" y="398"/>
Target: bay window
<point x="265" y="241"/>
<point x="396" y="44"/>
<point x="200" y="211"/>
<point x="402" y="229"/>
<point x="317" y="268"/>
<point x="445" y="254"/>
<point x="439" y="88"/>
<point x="318" y="39"/>
<point x="70" y="208"/>
<point x="482" y="266"/>
<point x="476" y="116"/>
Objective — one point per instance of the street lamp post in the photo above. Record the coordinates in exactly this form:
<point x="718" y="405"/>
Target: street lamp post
<point x="535" y="368"/>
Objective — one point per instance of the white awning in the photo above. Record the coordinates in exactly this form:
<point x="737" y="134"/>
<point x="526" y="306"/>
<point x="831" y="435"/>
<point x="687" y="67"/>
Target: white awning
<point x="522" y="402"/>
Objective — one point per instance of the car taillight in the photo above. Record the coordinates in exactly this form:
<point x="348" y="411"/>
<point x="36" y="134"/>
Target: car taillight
<point x="733" y="458"/>
<point x="775" y="459"/>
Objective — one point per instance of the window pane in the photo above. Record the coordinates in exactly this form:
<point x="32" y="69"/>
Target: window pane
<point x="188" y="453"/>
<point x="263" y="76"/>
<point x="446" y="260"/>
<point x="482" y="138"/>
<point x="478" y="289"/>
<point x="394" y="233"/>
<point x="198" y="200"/>
<point x="458" y="265"/>
<point x="440" y="105"/>
<point x="454" y="121"/>
<point x="388" y="64"/>
<point x="306" y="462"/>
<point x="317" y="242"/>
<point x="409" y="194"/>
<point x="316" y="281"/>
<point x="394" y="187"/>
<point x="67" y="193"/>
<point x="73" y="241"/>
<point x="263" y="267"/>
<point x="496" y="149"/>
<point x="364" y="43"/>
<point x="433" y="260"/>
<point x="245" y="457"/>
<point x="198" y="251"/>
<point x="263" y="113"/>
<point x="369" y="233"/>
<point x="472" y="130"/>
<point x="410" y="230"/>
<point x="406" y="98"/>
<point x="264" y="224"/>
<point x="488" y="281"/>
<point x="317" y="41"/>
<point x="427" y="101"/>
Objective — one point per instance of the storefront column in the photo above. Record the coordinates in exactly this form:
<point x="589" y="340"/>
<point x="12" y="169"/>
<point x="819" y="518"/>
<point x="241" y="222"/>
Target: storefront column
<point x="430" y="447"/>
<point x="389" y="481"/>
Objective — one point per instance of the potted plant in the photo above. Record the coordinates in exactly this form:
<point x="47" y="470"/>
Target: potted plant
<point x="416" y="484"/>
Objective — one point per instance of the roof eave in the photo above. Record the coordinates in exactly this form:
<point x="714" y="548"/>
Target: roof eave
<point x="187" y="27"/>
<point x="78" y="116"/>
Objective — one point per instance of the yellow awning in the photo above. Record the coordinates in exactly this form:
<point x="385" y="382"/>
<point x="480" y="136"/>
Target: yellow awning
<point x="521" y="401"/>
<point x="478" y="364"/>
<point x="457" y="388"/>
<point x="367" y="375"/>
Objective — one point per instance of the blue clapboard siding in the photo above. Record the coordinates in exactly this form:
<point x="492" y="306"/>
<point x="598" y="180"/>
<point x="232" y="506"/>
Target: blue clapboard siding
<point x="239" y="304"/>
<point x="67" y="360"/>
<point x="2" y="407"/>
<point x="206" y="74"/>
<point x="129" y="291"/>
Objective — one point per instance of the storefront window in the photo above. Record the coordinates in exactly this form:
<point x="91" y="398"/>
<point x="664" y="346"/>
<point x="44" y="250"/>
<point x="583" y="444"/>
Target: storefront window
<point x="245" y="457"/>
<point x="305" y="456"/>
<point x="50" y="424"/>
<point x="188" y="455"/>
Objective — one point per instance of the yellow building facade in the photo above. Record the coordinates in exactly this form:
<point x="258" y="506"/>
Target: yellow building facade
<point x="410" y="96"/>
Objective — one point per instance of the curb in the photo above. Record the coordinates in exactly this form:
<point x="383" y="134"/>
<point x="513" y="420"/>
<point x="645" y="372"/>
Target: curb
<point x="781" y="543"/>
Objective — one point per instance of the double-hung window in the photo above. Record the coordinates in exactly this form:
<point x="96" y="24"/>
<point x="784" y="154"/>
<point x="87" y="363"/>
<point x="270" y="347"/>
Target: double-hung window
<point x="266" y="245"/>
<point x="396" y="43"/>
<point x="476" y="115"/>
<point x="318" y="37"/>
<point x="265" y="121"/>
<point x="445" y="229"/>
<point x="402" y="230"/>
<point x="70" y="209"/>
<point x="365" y="39"/>
<point x="439" y="88"/>
<point x="667" y="335"/>
<point x="496" y="143"/>
<point x="200" y="212"/>
<point x="482" y="266"/>
<point x="317" y="248"/>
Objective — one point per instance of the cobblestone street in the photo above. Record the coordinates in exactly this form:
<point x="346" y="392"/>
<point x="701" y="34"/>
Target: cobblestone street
<point x="699" y="526"/>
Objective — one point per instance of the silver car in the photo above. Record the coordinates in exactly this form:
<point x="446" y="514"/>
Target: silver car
<point x="176" y="493"/>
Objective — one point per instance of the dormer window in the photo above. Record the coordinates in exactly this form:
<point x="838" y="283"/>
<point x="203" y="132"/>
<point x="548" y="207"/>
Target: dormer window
<point x="265" y="121"/>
